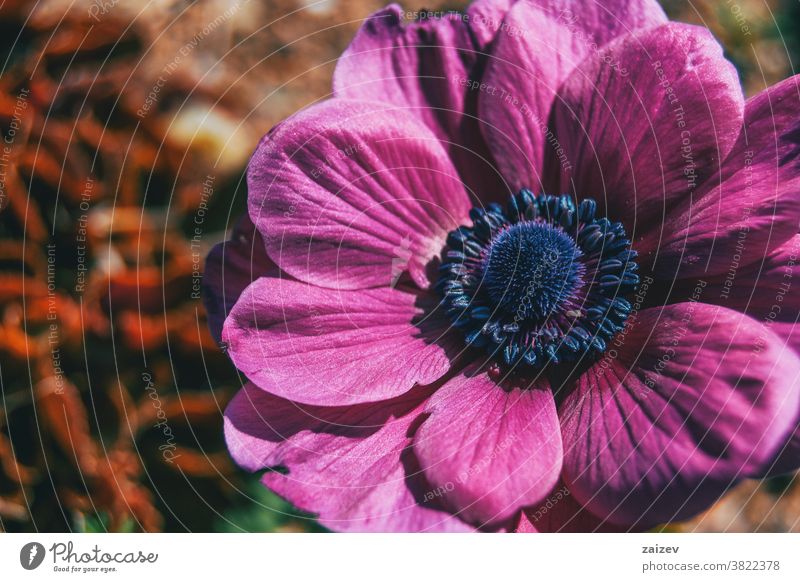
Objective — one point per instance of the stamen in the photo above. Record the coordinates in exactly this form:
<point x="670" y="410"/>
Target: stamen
<point x="540" y="282"/>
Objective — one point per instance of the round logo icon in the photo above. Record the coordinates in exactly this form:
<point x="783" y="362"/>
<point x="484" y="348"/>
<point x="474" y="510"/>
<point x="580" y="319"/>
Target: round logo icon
<point x="31" y="555"/>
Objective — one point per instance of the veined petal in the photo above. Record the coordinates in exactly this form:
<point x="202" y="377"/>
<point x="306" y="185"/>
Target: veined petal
<point x="347" y="194"/>
<point x="539" y="44"/>
<point x="230" y="267"/>
<point x="426" y="68"/>
<point x="327" y="347"/>
<point x="489" y="450"/>
<point x="696" y="398"/>
<point x="645" y="122"/>
<point x="350" y="465"/>
<point x="751" y="201"/>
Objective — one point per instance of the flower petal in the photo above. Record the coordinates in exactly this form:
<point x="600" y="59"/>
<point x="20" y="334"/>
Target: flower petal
<point x="350" y="465"/>
<point x="347" y="193"/>
<point x="645" y="121"/>
<point x="485" y="19"/>
<point x="326" y="347"/>
<point x="489" y="450"/>
<point x="763" y="290"/>
<point x="560" y="513"/>
<point x="424" y="67"/>
<point x="410" y="65"/>
<point x="752" y="201"/>
<point x="538" y="45"/>
<point x="695" y="398"/>
<point x="524" y="525"/>
<point x="230" y="267"/>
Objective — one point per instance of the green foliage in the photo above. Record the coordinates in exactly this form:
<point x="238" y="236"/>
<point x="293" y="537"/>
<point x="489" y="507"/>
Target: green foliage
<point x="99" y="523"/>
<point x="261" y="510"/>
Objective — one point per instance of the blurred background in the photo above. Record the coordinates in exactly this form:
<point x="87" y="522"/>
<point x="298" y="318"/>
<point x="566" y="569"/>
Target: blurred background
<point x="126" y="125"/>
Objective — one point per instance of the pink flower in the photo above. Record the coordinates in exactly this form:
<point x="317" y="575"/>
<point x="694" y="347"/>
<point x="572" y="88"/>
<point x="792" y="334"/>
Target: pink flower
<point x="528" y="269"/>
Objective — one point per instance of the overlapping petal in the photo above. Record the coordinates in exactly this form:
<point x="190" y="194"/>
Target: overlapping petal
<point x="486" y="18"/>
<point x="328" y="347"/>
<point x="644" y="122"/>
<point x="347" y="193"/>
<point x="764" y="290"/>
<point x="230" y="267"/>
<point x="489" y="449"/>
<point x="539" y="44"/>
<point x="695" y="398"/>
<point x="750" y="207"/>
<point x="426" y="68"/>
<point x="350" y="465"/>
<point x="559" y="512"/>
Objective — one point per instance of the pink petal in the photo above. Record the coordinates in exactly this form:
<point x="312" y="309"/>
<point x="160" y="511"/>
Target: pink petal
<point x="524" y="525"/>
<point x="537" y="47"/>
<point x="423" y="67"/>
<point x="411" y="65"/>
<point x="489" y="450"/>
<point x="645" y="121"/>
<point x="764" y="291"/>
<point x="693" y="399"/>
<point x="755" y="193"/>
<point x="485" y="19"/>
<point x="352" y="466"/>
<point x="349" y="195"/>
<point x="230" y="267"/>
<point x="559" y="512"/>
<point x="327" y="347"/>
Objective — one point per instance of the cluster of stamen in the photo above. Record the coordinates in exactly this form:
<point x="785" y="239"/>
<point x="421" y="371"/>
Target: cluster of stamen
<point x="543" y="281"/>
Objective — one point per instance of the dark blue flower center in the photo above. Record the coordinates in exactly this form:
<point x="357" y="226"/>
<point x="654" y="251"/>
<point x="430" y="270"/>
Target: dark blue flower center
<point x="542" y="281"/>
<point x="531" y="268"/>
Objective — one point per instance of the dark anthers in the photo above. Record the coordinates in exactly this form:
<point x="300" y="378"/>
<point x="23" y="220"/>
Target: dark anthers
<point x="540" y="282"/>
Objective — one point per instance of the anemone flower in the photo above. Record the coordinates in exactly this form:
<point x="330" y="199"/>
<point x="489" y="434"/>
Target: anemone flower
<point x="528" y="269"/>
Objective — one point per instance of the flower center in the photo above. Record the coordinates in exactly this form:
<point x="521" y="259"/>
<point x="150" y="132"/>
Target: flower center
<point x="540" y="282"/>
<point x="531" y="268"/>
